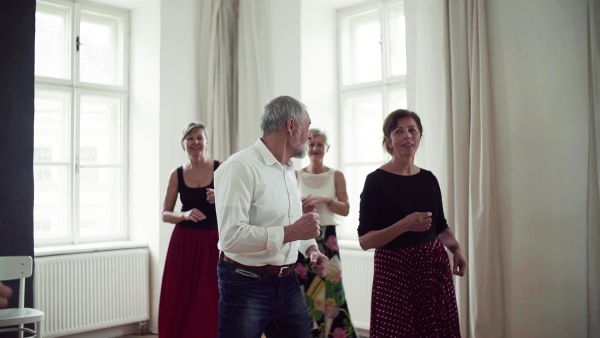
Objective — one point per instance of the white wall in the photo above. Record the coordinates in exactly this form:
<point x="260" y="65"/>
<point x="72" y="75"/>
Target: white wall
<point x="319" y="71"/>
<point x="178" y="105"/>
<point x="144" y="125"/>
<point x="285" y="44"/>
<point x="540" y="106"/>
<point x="163" y="89"/>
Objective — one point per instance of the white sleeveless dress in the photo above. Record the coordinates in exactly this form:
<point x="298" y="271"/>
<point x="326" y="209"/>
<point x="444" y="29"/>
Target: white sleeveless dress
<point x="321" y="185"/>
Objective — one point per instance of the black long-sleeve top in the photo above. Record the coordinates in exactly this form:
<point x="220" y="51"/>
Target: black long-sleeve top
<point x="387" y="198"/>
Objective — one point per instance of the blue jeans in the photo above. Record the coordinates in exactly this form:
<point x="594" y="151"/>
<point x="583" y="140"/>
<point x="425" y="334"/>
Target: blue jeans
<point x="254" y="303"/>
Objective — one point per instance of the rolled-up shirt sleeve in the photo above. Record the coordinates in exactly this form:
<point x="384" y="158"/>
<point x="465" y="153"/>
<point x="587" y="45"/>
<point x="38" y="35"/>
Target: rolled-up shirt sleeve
<point x="304" y="245"/>
<point x="274" y="239"/>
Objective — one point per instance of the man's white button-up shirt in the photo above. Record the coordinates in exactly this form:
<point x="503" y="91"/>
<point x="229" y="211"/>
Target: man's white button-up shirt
<point x="255" y="197"/>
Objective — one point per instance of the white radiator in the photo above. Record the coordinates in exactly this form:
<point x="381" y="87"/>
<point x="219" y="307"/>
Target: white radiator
<point x="357" y="275"/>
<point x="90" y="291"/>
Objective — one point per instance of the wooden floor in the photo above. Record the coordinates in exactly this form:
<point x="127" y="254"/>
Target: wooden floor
<point x="144" y="336"/>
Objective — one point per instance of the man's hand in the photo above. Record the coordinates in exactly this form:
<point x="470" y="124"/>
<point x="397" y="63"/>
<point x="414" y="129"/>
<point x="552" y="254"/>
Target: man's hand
<point x="306" y="227"/>
<point x="319" y="263"/>
<point x="5" y="294"/>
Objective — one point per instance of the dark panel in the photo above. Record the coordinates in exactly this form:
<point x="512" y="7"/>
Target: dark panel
<point x="17" y="42"/>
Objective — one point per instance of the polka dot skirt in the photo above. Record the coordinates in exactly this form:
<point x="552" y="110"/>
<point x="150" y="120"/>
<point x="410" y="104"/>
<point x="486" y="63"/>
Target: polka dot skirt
<point x="413" y="293"/>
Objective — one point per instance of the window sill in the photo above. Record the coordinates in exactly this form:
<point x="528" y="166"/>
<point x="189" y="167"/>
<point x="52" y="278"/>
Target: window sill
<point x="89" y="247"/>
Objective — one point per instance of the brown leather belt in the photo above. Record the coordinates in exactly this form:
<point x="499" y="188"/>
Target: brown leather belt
<point x="271" y="270"/>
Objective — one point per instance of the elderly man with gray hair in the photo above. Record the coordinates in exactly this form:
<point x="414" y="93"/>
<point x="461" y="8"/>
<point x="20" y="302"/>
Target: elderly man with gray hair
<point x="262" y="228"/>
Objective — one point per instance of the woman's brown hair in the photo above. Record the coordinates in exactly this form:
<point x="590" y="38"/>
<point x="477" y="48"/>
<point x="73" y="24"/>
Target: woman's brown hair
<point x="391" y="121"/>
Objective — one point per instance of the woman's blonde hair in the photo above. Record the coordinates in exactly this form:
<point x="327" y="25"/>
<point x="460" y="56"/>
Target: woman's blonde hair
<point x="191" y="127"/>
<point x="320" y="132"/>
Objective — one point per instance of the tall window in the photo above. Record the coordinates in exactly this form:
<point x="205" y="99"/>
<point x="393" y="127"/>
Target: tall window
<point x="372" y="83"/>
<point x="81" y="91"/>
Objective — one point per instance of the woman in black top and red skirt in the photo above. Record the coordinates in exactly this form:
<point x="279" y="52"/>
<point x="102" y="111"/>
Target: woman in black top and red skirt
<point x="189" y="296"/>
<point x="402" y="217"/>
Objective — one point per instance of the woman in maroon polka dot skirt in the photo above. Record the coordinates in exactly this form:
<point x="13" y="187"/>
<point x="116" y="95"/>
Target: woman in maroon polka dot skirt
<point x="402" y="217"/>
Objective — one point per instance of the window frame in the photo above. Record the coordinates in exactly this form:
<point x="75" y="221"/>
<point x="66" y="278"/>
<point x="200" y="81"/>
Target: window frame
<point x="384" y="86"/>
<point x="76" y="88"/>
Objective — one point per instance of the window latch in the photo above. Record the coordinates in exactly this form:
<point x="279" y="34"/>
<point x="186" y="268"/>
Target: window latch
<point x="78" y="43"/>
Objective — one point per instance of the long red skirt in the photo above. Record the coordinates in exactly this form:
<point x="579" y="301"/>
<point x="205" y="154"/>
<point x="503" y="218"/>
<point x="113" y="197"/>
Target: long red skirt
<point x="413" y="293"/>
<point x="189" y="296"/>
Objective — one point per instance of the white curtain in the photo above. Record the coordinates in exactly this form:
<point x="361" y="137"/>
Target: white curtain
<point x="593" y="243"/>
<point x="449" y="87"/>
<point x="254" y="69"/>
<point x="217" y="48"/>
<point x="233" y="71"/>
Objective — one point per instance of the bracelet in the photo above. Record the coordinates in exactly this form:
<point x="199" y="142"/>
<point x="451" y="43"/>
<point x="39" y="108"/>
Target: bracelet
<point x="330" y="201"/>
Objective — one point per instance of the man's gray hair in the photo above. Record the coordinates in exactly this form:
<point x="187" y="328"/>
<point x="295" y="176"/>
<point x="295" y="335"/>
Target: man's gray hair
<point x="278" y="112"/>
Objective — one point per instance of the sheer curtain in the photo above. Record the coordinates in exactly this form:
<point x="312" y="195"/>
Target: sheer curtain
<point x="234" y="80"/>
<point x="217" y="50"/>
<point x="254" y="69"/>
<point x="449" y="86"/>
<point x="593" y="244"/>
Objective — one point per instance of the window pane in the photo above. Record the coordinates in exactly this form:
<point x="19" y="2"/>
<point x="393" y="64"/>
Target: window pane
<point x="100" y="130"/>
<point x="51" y="159"/>
<point x="355" y="181"/>
<point x="52" y="126"/>
<point x="397" y="99"/>
<point x="361" y="48"/>
<point x="101" y="50"/>
<point x="52" y="41"/>
<point x="397" y="36"/>
<point x="362" y="121"/>
<point x="100" y="211"/>
<point x="51" y="202"/>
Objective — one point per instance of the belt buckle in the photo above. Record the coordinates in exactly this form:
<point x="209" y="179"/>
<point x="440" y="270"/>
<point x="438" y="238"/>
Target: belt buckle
<point x="281" y="270"/>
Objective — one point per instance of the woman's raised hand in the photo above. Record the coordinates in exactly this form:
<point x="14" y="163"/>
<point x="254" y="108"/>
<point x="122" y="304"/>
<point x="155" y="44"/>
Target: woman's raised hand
<point x="309" y="202"/>
<point x="194" y="215"/>
<point x="210" y="195"/>
<point x="417" y="221"/>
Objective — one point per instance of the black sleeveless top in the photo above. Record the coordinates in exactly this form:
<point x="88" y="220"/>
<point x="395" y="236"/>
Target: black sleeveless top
<point x="196" y="198"/>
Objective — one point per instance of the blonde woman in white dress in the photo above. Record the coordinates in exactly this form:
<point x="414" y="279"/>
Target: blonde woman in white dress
<point x="324" y="189"/>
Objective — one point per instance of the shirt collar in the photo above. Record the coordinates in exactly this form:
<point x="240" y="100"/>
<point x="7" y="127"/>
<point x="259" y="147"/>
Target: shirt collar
<point x="268" y="156"/>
